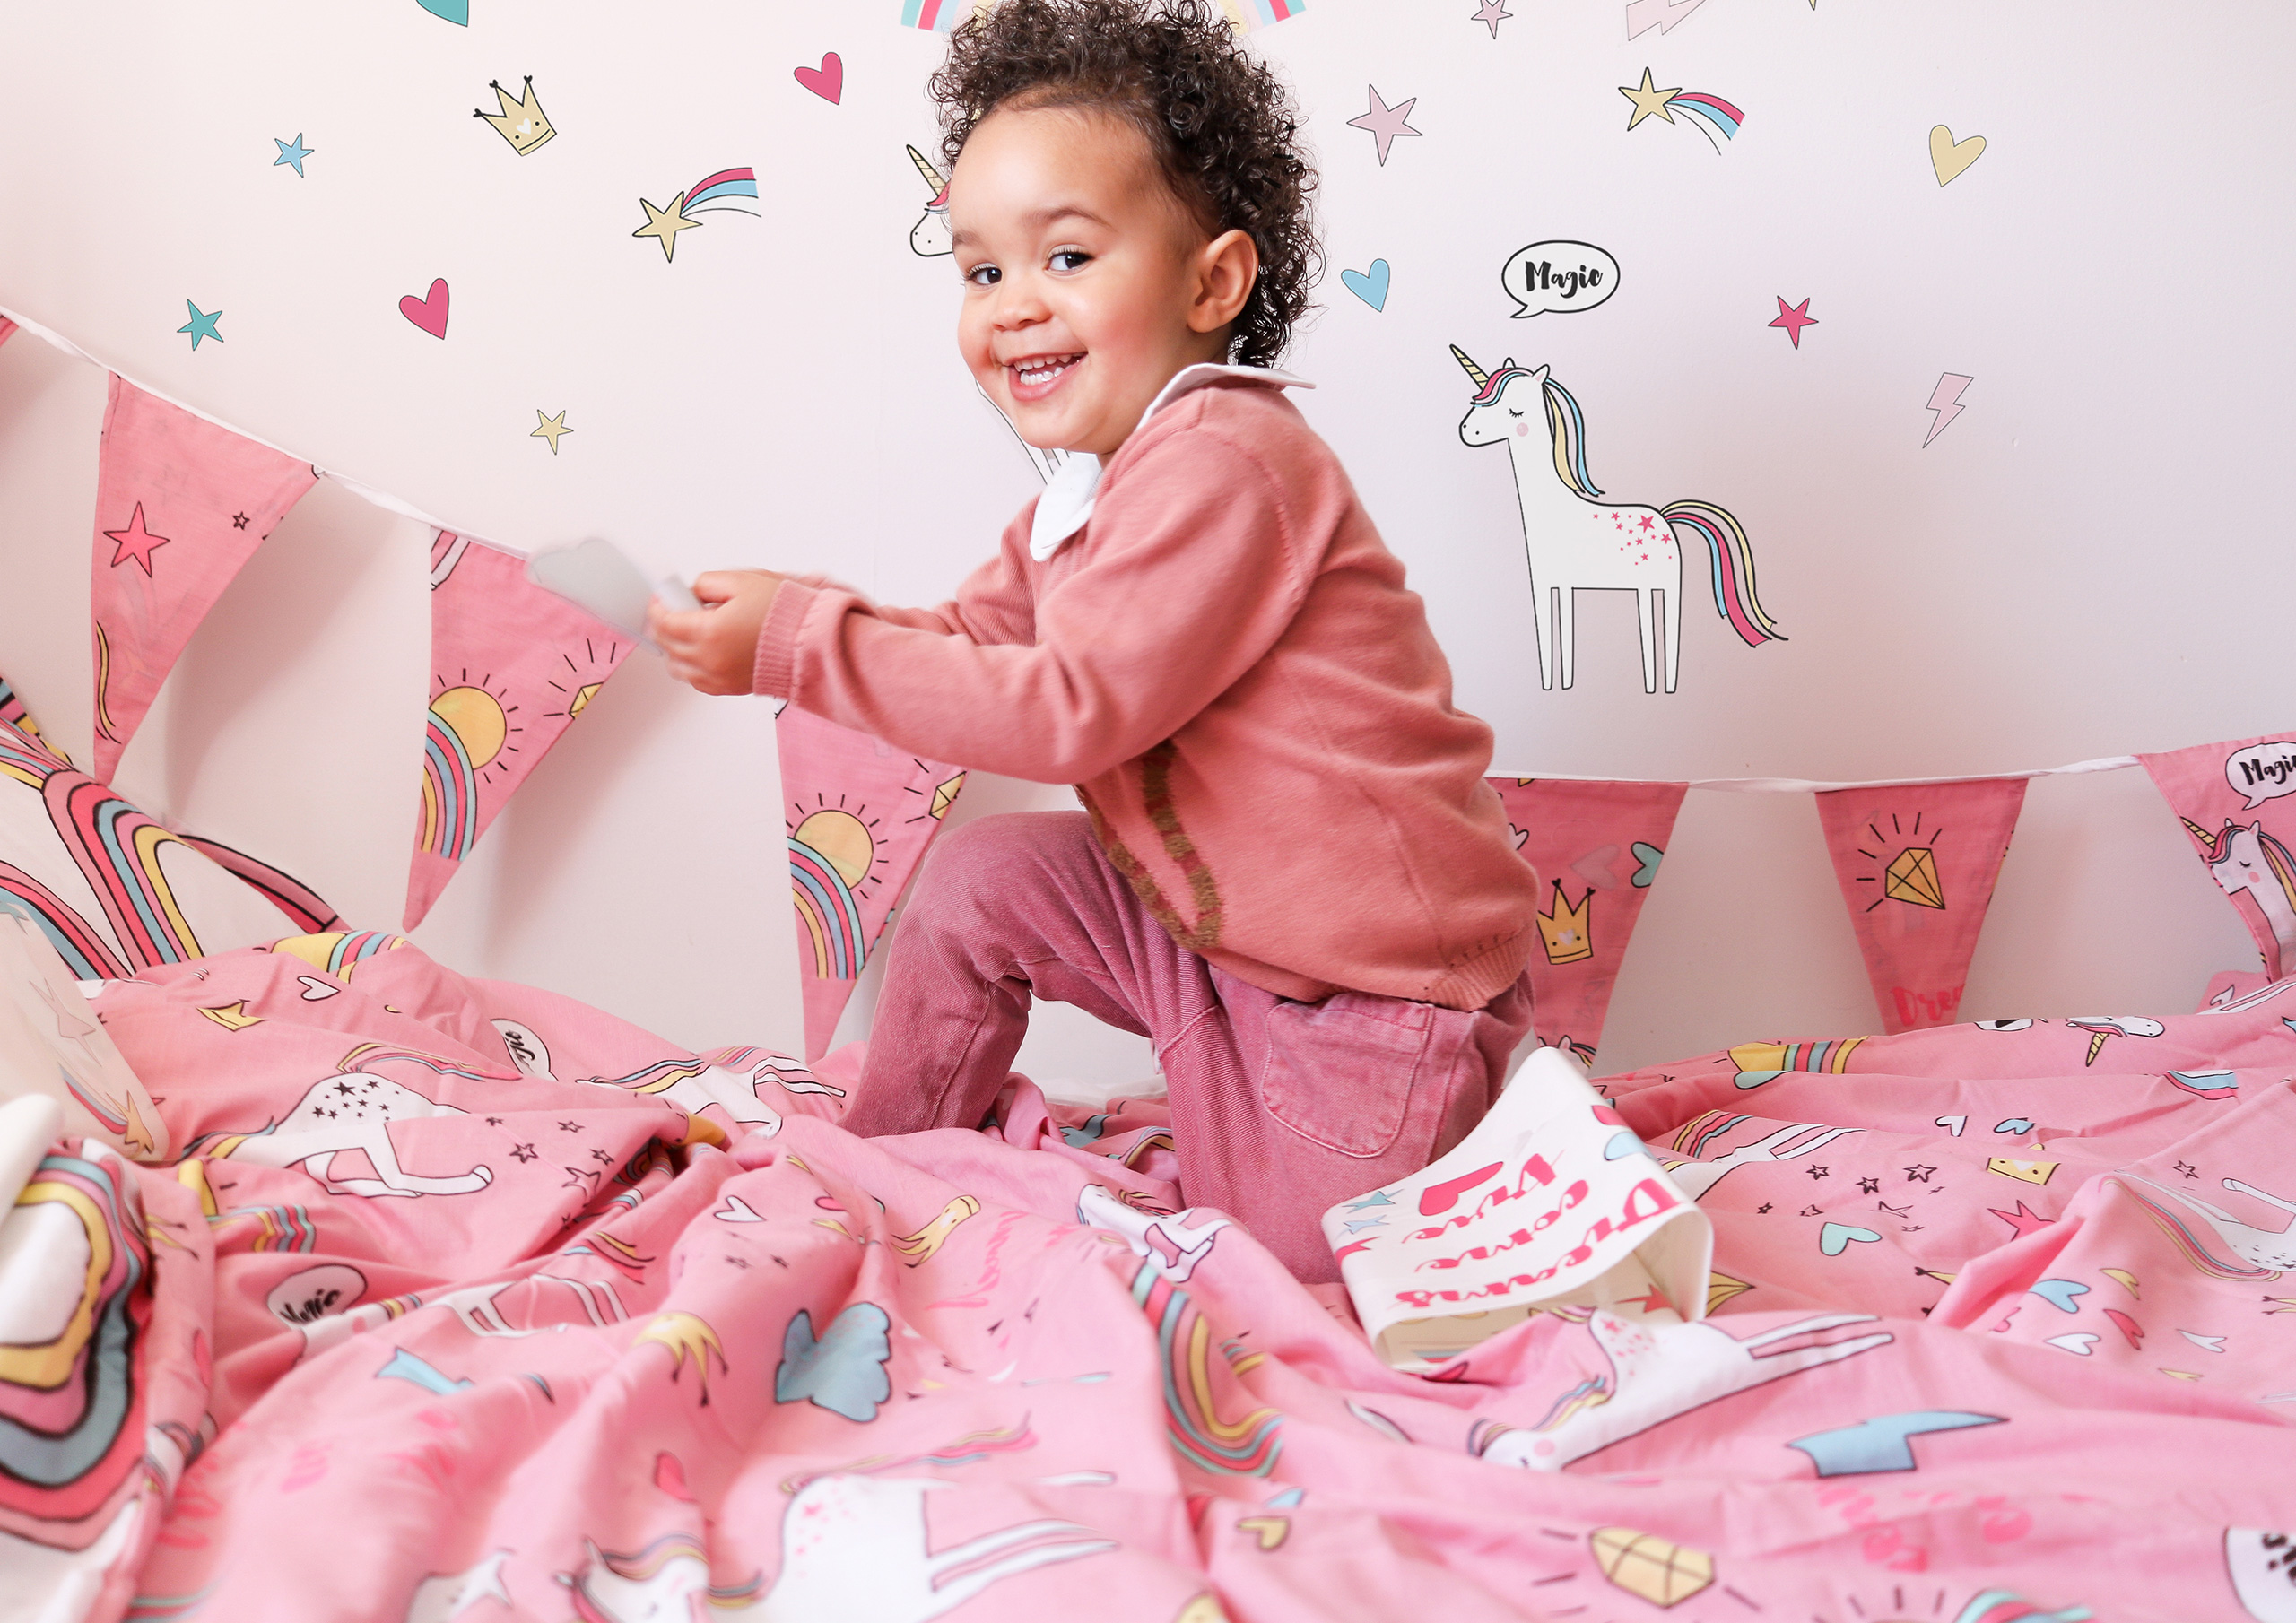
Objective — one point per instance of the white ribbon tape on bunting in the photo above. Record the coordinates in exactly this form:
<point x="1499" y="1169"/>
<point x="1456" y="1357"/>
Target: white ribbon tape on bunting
<point x="1804" y="785"/>
<point x="381" y="499"/>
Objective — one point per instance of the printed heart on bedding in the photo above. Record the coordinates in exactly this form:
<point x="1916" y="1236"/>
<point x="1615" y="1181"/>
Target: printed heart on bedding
<point x="843" y="1370"/>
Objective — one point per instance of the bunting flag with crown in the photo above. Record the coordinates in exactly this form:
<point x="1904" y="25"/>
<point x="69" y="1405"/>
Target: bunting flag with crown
<point x="1598" y="846"/>
<point x="1917" y="864"/>
<point x="512" y="665"/>
<point x="181" y="503"/>
<point x="861" y="814"/>
<point x="2233" y="799"/>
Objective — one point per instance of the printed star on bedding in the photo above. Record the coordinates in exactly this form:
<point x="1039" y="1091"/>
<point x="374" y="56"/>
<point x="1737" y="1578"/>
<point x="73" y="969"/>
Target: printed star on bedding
<point x="1494" y="12"/>
<point x="2187" y="1168"/>
<point x="2021" y="1222"/>
<point x="1869" y="1185"/>
<point x="1820" y="1172"/>
<point x="1918" y="1174"/>
<point x="1386" y="123"/>
<point x="136" y="541"/>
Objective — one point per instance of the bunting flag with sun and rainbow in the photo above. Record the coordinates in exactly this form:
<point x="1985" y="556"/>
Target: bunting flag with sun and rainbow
<point x="512" y="666"/>
<point x="861" y="814"/>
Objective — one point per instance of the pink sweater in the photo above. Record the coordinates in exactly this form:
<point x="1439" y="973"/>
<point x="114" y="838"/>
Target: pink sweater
<point x="1226" y="664"/>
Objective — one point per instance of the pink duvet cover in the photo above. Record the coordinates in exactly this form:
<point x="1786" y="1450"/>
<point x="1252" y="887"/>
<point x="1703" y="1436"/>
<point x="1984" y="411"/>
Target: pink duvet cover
<point x="469" y="1302"/>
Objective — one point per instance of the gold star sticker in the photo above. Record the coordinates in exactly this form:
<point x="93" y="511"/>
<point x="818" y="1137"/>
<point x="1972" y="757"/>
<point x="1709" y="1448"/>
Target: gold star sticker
<point x="1647" y="100"/>
<point x="550" y="429"/>
<point x="664" y="224"/>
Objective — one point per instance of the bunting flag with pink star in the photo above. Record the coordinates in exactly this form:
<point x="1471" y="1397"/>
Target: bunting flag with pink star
<point x="1917" y="864"/>
<point x="1597" y="846"/>
<point x="860" y="816"/>
<point x="181" y="503"/>
<point x="512" y="666"/>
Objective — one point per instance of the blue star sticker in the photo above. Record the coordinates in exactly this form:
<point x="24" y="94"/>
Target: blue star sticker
<point x="1377" y="1197"/>
<point x="202" y="325"/>
<point x="292" y="152"/>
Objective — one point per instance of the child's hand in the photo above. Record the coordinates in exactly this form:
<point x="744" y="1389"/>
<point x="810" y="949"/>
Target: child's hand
<point x="715" y="648"/>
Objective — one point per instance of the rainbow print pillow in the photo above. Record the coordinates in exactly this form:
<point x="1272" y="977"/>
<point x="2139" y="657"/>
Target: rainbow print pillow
<point x="112" y="890"/>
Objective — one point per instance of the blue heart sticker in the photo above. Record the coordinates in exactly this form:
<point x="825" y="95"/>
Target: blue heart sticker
<point x="2016" y="1123"/>
<point x="2059" y="1293"/>
<point x="1650" y="857"/>
<point x="843" y="1371"/>
<point x="1834" y="1239"/>
<point x="1369" y="286"/>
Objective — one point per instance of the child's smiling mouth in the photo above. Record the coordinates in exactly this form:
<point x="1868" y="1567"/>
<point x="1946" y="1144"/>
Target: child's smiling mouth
<point x="1033" y="377"/>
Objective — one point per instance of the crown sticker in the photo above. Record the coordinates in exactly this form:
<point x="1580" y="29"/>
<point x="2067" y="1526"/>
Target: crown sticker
<point x="522" y="123"/>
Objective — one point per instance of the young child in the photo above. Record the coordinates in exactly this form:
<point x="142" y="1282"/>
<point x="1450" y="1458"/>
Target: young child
<point x="1289" y="875"/>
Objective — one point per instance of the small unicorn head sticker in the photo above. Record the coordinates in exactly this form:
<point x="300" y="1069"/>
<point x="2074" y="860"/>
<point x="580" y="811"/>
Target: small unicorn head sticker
<point x="929" y="237"/>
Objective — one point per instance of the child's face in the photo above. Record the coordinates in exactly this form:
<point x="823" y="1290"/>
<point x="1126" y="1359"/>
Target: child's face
<point x="1087" y="283"/>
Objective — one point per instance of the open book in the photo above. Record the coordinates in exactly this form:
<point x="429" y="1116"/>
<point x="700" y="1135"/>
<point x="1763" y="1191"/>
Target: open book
<point x="1551" y="1202"/>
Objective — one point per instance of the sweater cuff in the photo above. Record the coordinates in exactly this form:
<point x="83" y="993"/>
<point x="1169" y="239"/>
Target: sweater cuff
<point x="775" y="670"/>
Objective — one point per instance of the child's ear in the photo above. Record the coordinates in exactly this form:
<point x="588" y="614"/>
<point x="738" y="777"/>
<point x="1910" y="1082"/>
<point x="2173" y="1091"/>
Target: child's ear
<point x="1226" y="268"/>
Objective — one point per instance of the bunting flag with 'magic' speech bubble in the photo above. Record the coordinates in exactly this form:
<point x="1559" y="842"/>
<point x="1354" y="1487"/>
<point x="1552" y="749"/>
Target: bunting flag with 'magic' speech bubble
<point x="861" y="814"/>
<point x="181" y="503"/>
<point x="1917" y="863"/>
<point x="512" y="666"/>
<point x="1598" y="846"/>
<point x="2233" y="799"/>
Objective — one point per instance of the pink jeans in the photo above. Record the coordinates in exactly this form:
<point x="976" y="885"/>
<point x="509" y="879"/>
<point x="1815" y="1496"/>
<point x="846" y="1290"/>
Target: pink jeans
<point x="1280" y="1109"/>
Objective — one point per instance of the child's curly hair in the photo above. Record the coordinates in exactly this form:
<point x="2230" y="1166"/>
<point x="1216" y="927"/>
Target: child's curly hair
<point x="1220" y="124"/>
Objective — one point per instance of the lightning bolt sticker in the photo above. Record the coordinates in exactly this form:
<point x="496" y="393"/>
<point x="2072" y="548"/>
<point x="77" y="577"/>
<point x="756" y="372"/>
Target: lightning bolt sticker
<point x="1884" y="1442"/>
<point x="1945" y="400"/>
<point x="1643" y="15"/>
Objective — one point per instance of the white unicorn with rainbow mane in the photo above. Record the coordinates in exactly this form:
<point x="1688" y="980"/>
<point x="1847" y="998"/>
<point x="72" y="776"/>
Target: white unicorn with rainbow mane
<point x="1578" y="543"/>
<point x="2249" y="859"/>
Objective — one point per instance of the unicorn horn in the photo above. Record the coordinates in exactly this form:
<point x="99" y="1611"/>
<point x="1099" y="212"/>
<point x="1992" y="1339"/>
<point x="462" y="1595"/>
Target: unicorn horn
<point x="1475" y="374"/>
<point x="2197" y="831"/>
<point x="931" y="175"/>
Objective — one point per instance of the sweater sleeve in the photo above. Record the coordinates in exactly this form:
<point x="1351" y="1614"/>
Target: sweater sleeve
<point x="1190" y="575"/>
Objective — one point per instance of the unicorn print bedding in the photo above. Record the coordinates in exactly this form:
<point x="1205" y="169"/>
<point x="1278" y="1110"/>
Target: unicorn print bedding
<point x="459" y="1300"/>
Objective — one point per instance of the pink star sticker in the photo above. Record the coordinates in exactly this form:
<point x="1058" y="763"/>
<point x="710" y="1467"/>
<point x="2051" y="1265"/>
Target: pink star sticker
<point x="1494" y="12"/>
<point x="136" y="541"/>
<point x="2023" y="1220"/>
<point x="1794" y="318"/>
<point x="1386" y="123"/>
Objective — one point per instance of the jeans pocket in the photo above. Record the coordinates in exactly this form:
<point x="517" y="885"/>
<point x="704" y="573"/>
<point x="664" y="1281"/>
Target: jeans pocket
<point x="1340" y="1072"/>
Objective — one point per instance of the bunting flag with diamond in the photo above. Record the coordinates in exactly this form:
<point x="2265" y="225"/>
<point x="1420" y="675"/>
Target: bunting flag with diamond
<point x="1917" y="863"/>
<point x="1598" y="846"/>
<point x="861" y="814"/>
<point x="181" y="503"/>
<point x="2233" y="799"/>
<point x="511" y="666"/>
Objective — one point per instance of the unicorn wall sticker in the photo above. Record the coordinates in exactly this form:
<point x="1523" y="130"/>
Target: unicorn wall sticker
<point x="929" y="237"/>
<point x="2249" y="861"/>
<point x="1577" y="541"/>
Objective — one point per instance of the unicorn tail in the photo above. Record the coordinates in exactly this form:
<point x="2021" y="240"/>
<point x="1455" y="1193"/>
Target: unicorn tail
<point x="1733" y="569"/>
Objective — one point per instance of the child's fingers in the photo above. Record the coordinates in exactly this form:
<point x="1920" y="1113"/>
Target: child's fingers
<point x="718" y="586"/>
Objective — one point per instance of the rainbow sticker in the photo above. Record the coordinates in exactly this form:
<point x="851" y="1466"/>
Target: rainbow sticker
<point x="941" y="16"/>
<point x="1247" y="14"/>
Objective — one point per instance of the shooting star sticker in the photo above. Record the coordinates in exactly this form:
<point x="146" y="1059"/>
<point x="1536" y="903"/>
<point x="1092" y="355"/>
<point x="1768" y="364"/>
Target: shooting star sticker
<point x="1643" y="15"/>
<point x="1884" y="1443"/>
<point x="1945" y="400"/>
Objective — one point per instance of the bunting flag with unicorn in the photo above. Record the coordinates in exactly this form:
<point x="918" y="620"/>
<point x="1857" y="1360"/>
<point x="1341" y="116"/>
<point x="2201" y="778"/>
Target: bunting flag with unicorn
<point x="861" y="814"/>
<point x="1598" y="844"/>
<point x="181" y="503"/>
<point x="2233" y="800"/>
<point x="512" y="665"/>
<point x="1917" y="863"/>
<point x="1577" y="541"/>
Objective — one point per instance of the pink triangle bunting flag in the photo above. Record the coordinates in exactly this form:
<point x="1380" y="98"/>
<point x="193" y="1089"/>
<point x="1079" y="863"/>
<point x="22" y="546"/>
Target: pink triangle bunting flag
<point x="1599" y="845"/>
<point x="861" y="814"/>
<point x="2234" y="799"/>
<point x="1916" y="866"/>
<point x="512" y="665"/>
<point x="181" y="503"/>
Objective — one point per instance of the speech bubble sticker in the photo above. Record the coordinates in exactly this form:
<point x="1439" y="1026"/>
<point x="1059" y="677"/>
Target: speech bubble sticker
<point x="1562" y="275"/>
<point x="2262" y="772"/>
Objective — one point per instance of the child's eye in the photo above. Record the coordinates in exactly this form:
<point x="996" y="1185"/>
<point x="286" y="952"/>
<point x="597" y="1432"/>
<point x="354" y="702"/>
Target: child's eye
<point x="984" y="275"/>
<point x="1071" y="259"/>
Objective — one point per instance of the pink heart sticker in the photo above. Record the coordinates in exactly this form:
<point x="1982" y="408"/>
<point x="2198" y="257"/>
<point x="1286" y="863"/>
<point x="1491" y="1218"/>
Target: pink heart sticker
<point x="828" y="80"/>
<point x="430" y="314"/>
